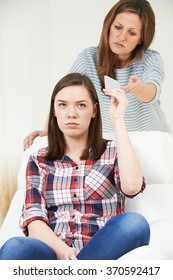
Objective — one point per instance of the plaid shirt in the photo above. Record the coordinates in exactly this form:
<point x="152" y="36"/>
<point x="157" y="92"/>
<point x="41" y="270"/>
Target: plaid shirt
<point x="74" y="200"/>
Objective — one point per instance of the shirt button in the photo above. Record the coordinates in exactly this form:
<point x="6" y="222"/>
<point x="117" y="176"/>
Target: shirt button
<point x="75" y="195"/>
<point x="77" y="167"/>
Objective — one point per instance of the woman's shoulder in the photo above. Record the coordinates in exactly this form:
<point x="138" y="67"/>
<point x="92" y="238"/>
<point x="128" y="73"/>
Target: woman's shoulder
<point x="152" y="58"/>
<point x="90" y="51"/>
<point x="151" y="53"/>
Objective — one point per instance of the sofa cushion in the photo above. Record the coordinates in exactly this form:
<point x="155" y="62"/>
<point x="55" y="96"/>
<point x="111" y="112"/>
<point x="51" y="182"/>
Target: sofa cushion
<point x="145" y="253"/>
<point x="155" y="203"/>
<point x="155" y="152"/>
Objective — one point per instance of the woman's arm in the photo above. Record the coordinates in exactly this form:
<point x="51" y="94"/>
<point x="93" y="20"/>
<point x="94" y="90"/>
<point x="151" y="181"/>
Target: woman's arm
<point x="129" y="168"/>
<point x="40" y="230"/>
<point x="145" y="92"/>
<point x="149" y="85"/>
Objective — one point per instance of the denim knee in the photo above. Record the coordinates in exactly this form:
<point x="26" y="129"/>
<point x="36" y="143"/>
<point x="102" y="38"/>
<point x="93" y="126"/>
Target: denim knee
<point x="26" y="248"/>
<point x="138" y="222"/>
<point x="133" y="224"/>
<point x="12" y="243"/>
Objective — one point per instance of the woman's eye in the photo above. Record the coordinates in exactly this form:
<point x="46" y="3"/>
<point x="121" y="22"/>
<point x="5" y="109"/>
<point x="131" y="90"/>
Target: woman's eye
<point x="117" y="27"/>
<point x="132" y="33"/>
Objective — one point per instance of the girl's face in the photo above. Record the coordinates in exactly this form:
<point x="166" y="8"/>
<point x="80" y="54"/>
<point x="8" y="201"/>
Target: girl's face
<point x="74" y="110"/>
<point x="125" y="34"/>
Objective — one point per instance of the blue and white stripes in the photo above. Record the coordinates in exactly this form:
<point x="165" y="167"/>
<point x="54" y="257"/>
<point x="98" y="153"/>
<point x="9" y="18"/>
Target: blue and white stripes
<point x="139" y="115"/>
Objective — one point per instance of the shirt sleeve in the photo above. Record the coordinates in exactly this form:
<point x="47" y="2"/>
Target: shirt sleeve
<point x="34" y="207"/>
<point x="153" y="72"/>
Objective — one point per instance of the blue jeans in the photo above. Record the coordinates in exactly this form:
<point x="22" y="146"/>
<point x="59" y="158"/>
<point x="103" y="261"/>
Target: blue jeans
<point x="120" y="235"/>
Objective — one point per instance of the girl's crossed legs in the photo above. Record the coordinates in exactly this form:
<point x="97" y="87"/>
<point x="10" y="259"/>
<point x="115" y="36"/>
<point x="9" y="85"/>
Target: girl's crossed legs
<point x="120" y="235"/>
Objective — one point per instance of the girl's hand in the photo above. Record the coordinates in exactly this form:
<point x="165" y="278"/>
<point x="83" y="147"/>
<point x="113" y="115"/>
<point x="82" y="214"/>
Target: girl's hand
<point x="68" y="253"/>
<point x="118" y="103"/>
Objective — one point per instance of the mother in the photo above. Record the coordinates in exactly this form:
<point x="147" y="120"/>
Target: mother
<point x="123" y="53"/>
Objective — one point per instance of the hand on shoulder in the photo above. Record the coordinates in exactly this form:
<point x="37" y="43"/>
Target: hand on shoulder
<point x="29" y="139"/>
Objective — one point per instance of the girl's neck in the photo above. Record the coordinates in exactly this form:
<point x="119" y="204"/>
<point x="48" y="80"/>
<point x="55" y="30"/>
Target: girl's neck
<point x="75" y="148"/>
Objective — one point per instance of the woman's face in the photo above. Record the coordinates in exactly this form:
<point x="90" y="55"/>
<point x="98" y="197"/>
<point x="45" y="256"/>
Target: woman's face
<point x="74" y="110"/>
<point x="125" y="34"/>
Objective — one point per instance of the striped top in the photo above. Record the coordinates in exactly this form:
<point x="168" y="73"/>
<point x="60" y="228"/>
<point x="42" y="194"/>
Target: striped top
<point x="139" y="116"/>
<point x="74" y="200"/>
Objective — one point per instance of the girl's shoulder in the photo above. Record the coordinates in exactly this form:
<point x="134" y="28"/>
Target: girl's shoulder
<point x="39" y="155"/>
<point x="111" y="150"/>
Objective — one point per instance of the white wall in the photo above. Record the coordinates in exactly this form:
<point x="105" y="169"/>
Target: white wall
<point x="39" y="40"/>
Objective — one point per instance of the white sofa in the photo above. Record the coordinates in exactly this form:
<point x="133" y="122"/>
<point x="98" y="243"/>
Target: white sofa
<point x="155" y="151"/>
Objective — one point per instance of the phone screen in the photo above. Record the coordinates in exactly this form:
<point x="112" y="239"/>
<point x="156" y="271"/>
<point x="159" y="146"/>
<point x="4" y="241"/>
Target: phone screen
<point x="111" y="83"/>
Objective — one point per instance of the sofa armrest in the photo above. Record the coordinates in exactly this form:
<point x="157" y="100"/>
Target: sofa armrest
<point x="14" y="211"/>
<point x="10" y="226"/>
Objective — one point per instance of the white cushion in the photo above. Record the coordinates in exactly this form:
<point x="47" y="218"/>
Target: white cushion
<point x="155" y="152"/>
<point x="155" y="203"/>
<point x="146" y="253"/>
<point x="152" y="151"/>
<point x="162" y="236"/>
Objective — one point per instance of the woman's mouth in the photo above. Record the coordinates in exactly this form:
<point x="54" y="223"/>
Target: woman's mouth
<point x="119" y="45"/>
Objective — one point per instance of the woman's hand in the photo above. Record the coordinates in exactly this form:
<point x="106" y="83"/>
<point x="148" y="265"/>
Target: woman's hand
<point x="27" y="142"/>
<point x="118" y="105"/>
<point x="145" y="92"/>
<point x="133" y="85"/>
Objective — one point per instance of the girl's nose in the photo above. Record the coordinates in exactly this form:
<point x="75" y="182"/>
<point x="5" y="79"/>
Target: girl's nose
<point x="72" y="112"/>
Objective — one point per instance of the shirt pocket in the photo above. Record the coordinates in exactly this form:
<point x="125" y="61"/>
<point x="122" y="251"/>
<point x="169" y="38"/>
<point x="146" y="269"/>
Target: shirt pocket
<point x="99" y="182"/>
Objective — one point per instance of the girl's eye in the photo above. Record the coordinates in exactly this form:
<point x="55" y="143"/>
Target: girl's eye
<point x="62" y="105"/>
<point x="81" y="105"/>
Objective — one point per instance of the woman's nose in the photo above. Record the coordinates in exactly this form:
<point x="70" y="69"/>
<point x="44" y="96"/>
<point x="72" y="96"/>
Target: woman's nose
<point x="122" y="35"/>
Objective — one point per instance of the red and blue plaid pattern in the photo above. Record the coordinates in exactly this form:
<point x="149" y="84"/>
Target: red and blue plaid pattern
<point x="74" y="200"/>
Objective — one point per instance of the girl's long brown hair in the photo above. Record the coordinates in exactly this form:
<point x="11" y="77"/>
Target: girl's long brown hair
<point x="56" y="141"/>
<point x="106" y="58"/>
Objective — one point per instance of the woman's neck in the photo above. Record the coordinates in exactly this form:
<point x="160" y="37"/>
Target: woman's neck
<point x="123" y="62"/>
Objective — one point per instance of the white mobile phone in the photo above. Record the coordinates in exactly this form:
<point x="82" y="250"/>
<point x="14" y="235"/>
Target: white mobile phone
<point x="111" y="83"/>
